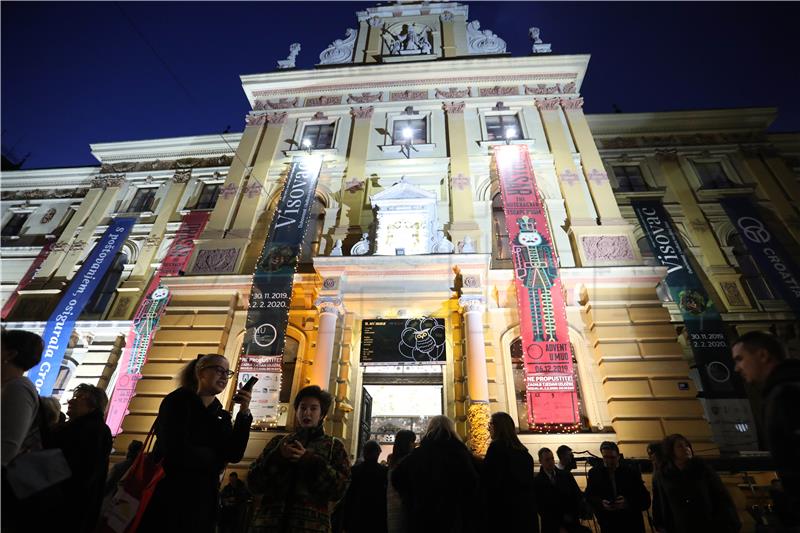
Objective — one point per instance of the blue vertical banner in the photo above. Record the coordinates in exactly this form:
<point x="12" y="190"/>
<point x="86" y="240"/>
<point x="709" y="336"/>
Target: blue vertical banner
<point x="722" y="395"/>
<point x="58" y="329"/>
<point x="772" y="259"/>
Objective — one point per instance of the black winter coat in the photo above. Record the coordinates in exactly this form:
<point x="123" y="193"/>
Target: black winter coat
<point x="559" y="503"/>
<point x="195" y="443"/>
<point x="438" y="483"/>
<point x="693" y="500"/>
<point x="365" y="503"/>
<point x="629" y="484"/>
<point x="781" y="394"/>
<point x="507" y="479"/>
<point x="86" y="443"/>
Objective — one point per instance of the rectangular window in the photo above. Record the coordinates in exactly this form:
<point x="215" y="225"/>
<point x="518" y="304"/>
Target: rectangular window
<point x="208" y="196"/>
<point x="142" y="200"/>
<point x="319" y="135"/>
<point x="496" y="126"/>
<point x="629" y="178"/>
<point x="414" y="129"/>
<point x="712" y="175"/>
<point x="14" y="224"/>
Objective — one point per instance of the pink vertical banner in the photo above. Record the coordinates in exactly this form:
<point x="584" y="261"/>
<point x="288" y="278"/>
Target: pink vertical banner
<point x="550" y="382"/>
<point x="145" y="321"/>
<point x="31" y="272"/>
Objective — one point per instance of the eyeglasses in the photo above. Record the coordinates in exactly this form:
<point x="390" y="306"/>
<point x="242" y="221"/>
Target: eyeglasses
<point x="221" y="370"/>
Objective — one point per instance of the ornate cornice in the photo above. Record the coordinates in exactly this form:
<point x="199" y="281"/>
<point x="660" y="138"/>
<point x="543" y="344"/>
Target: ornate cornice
<point x="277" y="118"/>
<point x="323" y="100"/>
<point x="104" y="182"/>
<point x="572" y="103"/>
<point x="556" y="88"/>
<point x="43" y="194"/>
<point x="182" y="175"/>
<point x="282" y="103"/>
<point x="364" y="98"/>
<point x="173" y="164"/>
<point x="454" y="108"/>
<point x="362" y="113"/>
<point x="452" y="92"/>
<point x="403" y="96"/>
<point x="548" y="104"/>
<point x="498" y="91"/>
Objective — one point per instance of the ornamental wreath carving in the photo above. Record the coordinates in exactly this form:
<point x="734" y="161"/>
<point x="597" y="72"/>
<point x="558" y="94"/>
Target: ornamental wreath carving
<point x="48" y="216"/>
<point x="323" y="100"/>
<point x="499" y="91"/>
<point x="452" y="92"/>
<point x="607" y="248"/>
<point x="340" y="51"/>
<point x="283" y="103"/>
<point x="556" y="88"/>
<point x="403" y="96"/>
<point x="364" y="98"/>
<point x="219" y="261"/>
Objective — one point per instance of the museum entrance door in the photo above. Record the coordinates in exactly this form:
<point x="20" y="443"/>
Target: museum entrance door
<point x="398" y="397"/>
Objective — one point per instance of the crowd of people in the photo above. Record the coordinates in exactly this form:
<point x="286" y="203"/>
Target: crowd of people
<point x="304" y="482"/>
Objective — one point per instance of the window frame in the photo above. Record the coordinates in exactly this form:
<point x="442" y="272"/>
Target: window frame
<point x="698" y="164"/>
<point x="319" y="125"/>
<point x="203" y="185"/>
<point x="4" y="232"/>
<point x="391" y="145"/>
<point x="616" y="177"/>
<point x="132" y="208"/>
<point x="500" y="115"/>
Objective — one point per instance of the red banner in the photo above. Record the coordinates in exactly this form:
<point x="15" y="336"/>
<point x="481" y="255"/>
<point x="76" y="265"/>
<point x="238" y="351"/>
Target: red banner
<point x="32" y="270"/>
<point x="550" y="381"/>
<point x="145" y="321"/>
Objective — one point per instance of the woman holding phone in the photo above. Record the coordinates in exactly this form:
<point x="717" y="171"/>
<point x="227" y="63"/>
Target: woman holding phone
<point x="301" y="475"/>
<point x="196" y="438"/>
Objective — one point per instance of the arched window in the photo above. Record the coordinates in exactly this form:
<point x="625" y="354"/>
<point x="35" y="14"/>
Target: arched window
<point x="520" y="391"/>
<point x="501" y="249"/>
<point x="105" y="290"/>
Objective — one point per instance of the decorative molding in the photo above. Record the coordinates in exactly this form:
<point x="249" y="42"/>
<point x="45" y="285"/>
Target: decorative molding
<point x="453" y="92"/>
<point x="572" y="103"/>
<point x="548" y="104"/>
<point x="60" y="246"/>
<point x="441" y="244"/>
<point x="447" y="16"/>
<point x="152" y="242"/>
<point x="500" y="106"/>
<point x="340" y="51"/>
<point x="667" y="155"/>
<point x="329" y="304"/>
<point x="255" y="120"/>
<point x="323" y="100"/>
<point x="319" y="115"/>
<point x="77" y="246"/>
<point x="460" y="182"/>
<point x="173" y="164"/>
<point x="471" y="281"/>
<point x="454" y="108"/>
<point x="568" y="176"/>
<point x="361" y="247"/>
<point x="372" y="85"/>
<point x="732" y="293"/>
<point x="252" y="189"/>
<point x="277" y="118"/>
<point x="216" y="261"/>
<point x="362" y="113"/>
<point x="182" y="175"/>
<point x="404" y="96"/>
<point x="498" y="91"/>
<point x="483" y="41"/>
<point x="104" y="182"/>
<point x="472" y="303"/>
<point x="607" y="247"/>
<point x="294" y="49"/>
<point x="228" y="191"/>
<point x="538" y="47"/>
<point x="691" y="139"/>
<point x="553" y="88"/>
<point x="364" y="98"/>
<point x="598" y="177"/>
<point x="48" y="216"/>
<point x="43" y="194"/>
<point x="282" y="103"/>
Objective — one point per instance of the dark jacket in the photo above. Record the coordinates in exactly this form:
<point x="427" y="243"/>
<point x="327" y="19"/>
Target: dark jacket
<point x="365" y="504"/>
<point x="507" y="479"/>
<point x="300" y="496"/>
<point x="629" y="484"/>
<point x="782" y="389"/>
<point x="195" y="443"/>
<point x="693" y="500"/>
<point x="438" y="483"/>
<point x="86" y="443"/>
<point x="558" y="503"/>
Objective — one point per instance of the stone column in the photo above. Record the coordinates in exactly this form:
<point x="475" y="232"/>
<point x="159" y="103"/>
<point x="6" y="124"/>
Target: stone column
<point x="354" y="186"/>
<point x="478" y="412"/>
<point x="462" y="215"/>
<point x="330" y="307"/>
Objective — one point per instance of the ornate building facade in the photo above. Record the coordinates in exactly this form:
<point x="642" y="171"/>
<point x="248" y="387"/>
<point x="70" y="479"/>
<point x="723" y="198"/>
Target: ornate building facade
<point x="410" y="113"/>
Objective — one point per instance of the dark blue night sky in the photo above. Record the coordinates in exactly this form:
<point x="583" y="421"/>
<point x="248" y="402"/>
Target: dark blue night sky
<point x="81" y="73"/>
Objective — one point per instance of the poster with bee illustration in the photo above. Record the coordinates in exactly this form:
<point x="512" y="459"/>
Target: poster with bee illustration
<point x="403" y="341"/>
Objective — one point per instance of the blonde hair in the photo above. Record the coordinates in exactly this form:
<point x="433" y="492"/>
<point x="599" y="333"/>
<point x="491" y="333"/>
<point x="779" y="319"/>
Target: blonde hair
<point x="188" y="375"/>
<point x="440" y="428"/>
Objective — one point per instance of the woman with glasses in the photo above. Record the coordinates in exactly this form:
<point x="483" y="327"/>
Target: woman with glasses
<point x="196" y="439"/>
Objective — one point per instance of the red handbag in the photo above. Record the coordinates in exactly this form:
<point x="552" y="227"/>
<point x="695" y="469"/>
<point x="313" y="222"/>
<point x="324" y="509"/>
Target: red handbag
<point x="127" y="506"/>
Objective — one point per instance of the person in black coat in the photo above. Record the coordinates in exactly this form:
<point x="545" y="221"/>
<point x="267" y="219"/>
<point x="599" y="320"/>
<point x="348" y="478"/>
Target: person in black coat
<point x="617" y="493"/>
<point x="85" y="441"/>
<point x="692" y="496"/>
<point x="761" y="360"/>
<point x="195" y="440"/>
<point x="438" y="482"/>
<point x="507" y="479"/>
<point x="365" y="502"/>
<point x="558" y="496"/>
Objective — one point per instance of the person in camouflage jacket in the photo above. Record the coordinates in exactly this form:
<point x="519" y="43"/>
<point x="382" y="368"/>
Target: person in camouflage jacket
<point x="301" y="475"/>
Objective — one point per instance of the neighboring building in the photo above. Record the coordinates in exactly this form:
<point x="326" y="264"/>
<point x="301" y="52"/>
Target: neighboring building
<point x="406" y="111"/>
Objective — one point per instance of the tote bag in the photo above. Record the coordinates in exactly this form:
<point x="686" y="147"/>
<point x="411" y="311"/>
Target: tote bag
<point x="134" y="491"/>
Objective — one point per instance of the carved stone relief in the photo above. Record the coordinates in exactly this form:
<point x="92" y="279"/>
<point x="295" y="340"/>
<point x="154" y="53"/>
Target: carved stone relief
<point x="403" y="96"/>
<point x="294" y="49"/>
<point x="364" y="98"/>
<point x="104" y="182"/>
<point x="340" y="51"/>
<point x="499" y="91"/>
<point x="186" y="162"/>
<point x="732" y="293"/>
<point x="483" y="41"/>
<point x="362" y="112"/>
<point x="454" y="108"/>
<point x="282" y="103"/>
<point x="217" y="261"/>
<point x="44" y="194"/>
<point x="555" y="88"/>
<point x="323" y="100"/>
<point x="452" y="92"/>
<point x="607" y="248"/>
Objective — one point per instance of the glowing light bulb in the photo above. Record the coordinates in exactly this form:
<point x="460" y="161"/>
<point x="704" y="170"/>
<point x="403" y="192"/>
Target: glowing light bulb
<point x="511" y="133"/>
<point x="407" y="133"/>
<point x="306" y="143"/>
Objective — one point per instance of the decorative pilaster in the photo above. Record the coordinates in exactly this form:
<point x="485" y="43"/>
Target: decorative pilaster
<point x="478" y="412"/>
<point x="329" y="308"/>
<point x="462" y="214"/>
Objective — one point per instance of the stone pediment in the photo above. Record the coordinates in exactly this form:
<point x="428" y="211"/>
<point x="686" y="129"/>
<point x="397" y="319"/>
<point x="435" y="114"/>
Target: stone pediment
<point x="402" y="190"/>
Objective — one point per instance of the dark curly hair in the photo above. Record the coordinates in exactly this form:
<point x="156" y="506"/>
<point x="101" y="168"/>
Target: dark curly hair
<point x="314" y="391"/>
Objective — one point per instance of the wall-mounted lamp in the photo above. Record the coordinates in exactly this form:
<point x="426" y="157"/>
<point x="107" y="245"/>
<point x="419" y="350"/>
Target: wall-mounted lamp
<point x="307" y="145"/>
<point x="510" y="133"/>
<point x="407" y="143"/>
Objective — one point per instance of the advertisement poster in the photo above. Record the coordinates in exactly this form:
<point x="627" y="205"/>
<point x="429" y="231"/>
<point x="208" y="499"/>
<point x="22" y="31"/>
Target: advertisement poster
<point x="59" y="326"/>
<point x="271" y="292"/>
<point x="398" y="341"/>
<point x="147" y="316"/>
<point x="547" y="353"/>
